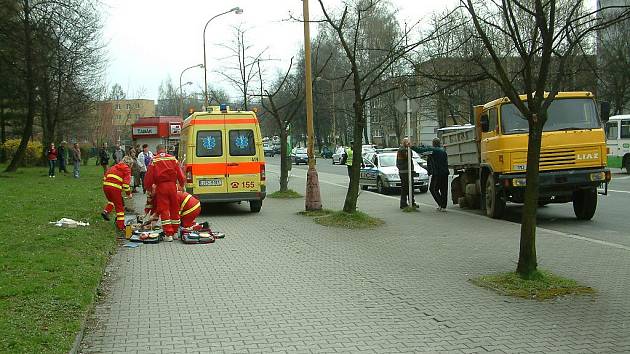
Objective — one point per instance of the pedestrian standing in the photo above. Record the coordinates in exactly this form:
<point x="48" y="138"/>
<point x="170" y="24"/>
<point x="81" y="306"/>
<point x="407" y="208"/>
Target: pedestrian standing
<point x="135" y="169"/>
<point x="437" y="168"/>
<point x="402" y="163"/>
<point x="61" y="157"/>
<point x="347" y="158"/>
<point x="167" y="176"/>
<point x="144" y="160"/>
<point x="118" y="155"/>
<point x="103" y="157"/>
<point x="76" y="159"/>
<point x="51" y="154"/>
<point x="115" y="182"/>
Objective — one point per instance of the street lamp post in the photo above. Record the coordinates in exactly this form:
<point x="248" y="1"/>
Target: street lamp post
<point x="181" y="99"/>
<point x="313" y="199"/>
<point x="237" y="10"/>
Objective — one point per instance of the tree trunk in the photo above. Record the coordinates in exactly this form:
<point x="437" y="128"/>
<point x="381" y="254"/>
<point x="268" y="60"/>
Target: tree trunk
<point x="284" y="163"/>
<point x="30" y="91"/>
<point x="527" y="263"/>
<point x="350" y="204"/>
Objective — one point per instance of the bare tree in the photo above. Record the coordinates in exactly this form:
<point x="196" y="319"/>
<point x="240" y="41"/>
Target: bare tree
<point x="543" y="35"/>
<point x="366" y="76"/>
<point x="614" y="54"/>
<point x="242" y="69"/>
<point x="283" y="102"/>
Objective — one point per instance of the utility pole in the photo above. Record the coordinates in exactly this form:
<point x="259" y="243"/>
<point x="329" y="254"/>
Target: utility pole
<point x="313" y="199"/>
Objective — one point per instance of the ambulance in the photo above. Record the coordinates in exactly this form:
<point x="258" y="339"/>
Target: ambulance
<point x="221" y="152"/>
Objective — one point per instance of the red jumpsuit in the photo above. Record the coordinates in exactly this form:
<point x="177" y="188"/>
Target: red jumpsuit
<point x="115" y="181"/>
<point x="165" y="173"/>
<point x="189" y="209"/>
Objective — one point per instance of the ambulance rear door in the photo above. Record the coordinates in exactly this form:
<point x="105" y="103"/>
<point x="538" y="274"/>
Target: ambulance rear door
<point x="244" y="153"/>
<point x="209" y="167"/>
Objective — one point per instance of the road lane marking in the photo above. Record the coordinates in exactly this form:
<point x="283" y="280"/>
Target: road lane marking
<point x="463" y="212"/>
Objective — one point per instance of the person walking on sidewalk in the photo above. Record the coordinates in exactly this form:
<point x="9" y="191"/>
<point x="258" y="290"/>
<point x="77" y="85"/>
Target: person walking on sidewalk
<point x="103" y="157"/>
<point x="62" y="157"/>
<point x="402" y="163"/>
<point x="76" y="159"/>
<point x="437" y="161"/>
<point x="51" y="154"/>
<point x="116" y="181"/>
<point x="166" y="174"/>
<point x="144" y="161"/>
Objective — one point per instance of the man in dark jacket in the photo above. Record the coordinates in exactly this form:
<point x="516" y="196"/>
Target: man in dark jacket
<point x="438" y="170"/>
<point x="103" y="157"/>
<point x="62" y="157"/>
<point x="402" y="163"/>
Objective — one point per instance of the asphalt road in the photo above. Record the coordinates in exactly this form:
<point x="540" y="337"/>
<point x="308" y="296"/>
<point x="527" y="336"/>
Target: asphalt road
<point x="611" y="222"/>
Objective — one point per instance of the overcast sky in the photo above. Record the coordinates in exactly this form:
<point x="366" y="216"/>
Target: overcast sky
<point x="149" y="41"/>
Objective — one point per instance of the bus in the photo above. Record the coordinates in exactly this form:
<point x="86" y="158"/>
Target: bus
<point x="618" y="141"/>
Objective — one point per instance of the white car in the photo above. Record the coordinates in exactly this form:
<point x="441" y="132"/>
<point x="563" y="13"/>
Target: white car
<point x="379" y="170"/>
<point x="338" y="155"/>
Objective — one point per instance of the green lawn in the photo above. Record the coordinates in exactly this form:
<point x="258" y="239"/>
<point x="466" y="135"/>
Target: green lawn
<point x="49" y="275"/>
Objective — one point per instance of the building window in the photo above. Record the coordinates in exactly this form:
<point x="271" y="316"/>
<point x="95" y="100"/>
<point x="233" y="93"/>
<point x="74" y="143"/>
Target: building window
<point x="117" y="107"/>
<point x="128" y="106"/>
<point x="137" y="105"/>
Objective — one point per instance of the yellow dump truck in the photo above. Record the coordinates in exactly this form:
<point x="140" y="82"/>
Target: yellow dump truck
<point x="489" y="158"/>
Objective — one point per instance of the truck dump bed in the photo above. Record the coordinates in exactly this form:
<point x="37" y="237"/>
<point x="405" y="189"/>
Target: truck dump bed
<point x="461" y="146"/>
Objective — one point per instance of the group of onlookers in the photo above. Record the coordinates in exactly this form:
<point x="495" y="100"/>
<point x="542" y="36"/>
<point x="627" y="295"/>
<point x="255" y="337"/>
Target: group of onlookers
<point x="60" y="155"/>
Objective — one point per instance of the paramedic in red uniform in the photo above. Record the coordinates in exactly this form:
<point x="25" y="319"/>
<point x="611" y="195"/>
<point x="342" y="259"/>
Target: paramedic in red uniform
<point x="189" y="209"/>
<point x="116" y="181"/>
<point x="166" y="174"/>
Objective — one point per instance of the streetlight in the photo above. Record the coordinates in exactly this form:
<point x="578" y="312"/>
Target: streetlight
<point x="237" y="10"/>
<point x="313" y="199"/>
<point x="181" y="103"/>
<point x="181" y="98"/>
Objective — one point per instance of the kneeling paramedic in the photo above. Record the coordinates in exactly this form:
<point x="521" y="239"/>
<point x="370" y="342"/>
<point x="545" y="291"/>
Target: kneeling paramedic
<point x="166" y="174"/>
<point x="189" y="209"/>
<point x="116" y="181"/>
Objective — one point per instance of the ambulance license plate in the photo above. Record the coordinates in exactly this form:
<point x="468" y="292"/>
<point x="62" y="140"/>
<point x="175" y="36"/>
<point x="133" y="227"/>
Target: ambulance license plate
<point x="210" y="182"/>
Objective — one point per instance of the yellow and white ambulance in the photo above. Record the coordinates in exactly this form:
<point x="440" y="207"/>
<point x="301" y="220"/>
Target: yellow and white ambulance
<point x="221" y="152"/>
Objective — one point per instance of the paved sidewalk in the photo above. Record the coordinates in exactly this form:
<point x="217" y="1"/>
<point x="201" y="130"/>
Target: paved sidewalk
<point x="279" y="282"/>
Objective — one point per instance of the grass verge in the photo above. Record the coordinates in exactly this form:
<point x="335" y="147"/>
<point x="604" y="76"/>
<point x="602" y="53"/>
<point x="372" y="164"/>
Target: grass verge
<point x="341" y="219"/>
<point x="289" y="194"/>
<point x="411" y="209"/>
<point x="542" y="286"/>
<point x="49" y="275"/>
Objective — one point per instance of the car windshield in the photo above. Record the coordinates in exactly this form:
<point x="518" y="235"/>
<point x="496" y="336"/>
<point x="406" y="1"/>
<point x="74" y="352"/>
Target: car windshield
<point x="563" y="114"/>
<point x="387" y="160"/>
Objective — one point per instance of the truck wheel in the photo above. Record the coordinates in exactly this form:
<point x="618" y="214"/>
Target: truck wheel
<point x="255" y="205"/>
<point x="626" y="164"/>
<point x="456" y="189"/>
<point x="495" y="205"/>
<point x="364" y="187"/>
<point x="585" y="203"/>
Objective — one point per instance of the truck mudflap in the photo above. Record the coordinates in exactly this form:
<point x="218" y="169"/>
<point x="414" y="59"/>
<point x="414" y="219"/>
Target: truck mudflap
<point x="565" y="180"/>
